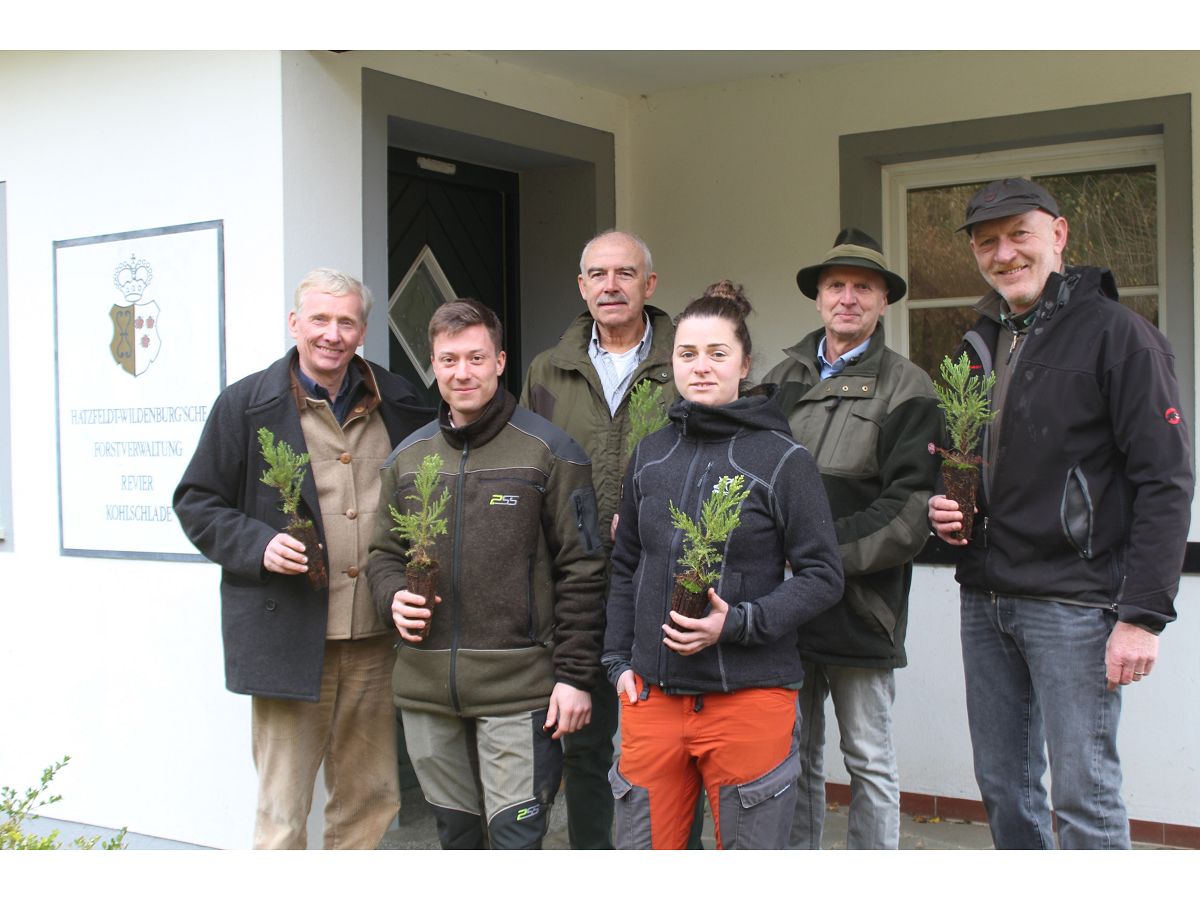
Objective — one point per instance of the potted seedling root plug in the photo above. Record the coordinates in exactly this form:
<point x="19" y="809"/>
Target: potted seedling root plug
<point x="285" y="473"/>
<point x="420" y="527"/>
<point x="964" y="399"/>
<point x="720" y="514"/>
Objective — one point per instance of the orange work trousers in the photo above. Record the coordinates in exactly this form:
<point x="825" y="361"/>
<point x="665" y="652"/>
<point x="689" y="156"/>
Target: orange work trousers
<point x="741" y="747"/>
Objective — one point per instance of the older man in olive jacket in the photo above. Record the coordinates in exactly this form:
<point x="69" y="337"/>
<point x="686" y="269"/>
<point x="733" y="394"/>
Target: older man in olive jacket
<point x="868" y="416"/>
<point x="582" y="385"/>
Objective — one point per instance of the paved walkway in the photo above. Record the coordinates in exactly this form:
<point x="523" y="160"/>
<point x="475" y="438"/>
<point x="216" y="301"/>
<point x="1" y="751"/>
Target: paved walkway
<point x="416" y="830"/>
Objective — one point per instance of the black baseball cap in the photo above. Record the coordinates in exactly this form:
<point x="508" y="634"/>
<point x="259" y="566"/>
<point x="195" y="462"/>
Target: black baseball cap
<point x="1008" y="197"/>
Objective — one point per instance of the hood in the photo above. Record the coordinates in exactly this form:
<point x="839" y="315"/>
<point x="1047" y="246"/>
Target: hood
<point x="757" y="410"/>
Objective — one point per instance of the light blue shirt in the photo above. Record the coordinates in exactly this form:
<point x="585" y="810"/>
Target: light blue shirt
<point x="616" y="369"/>
<point x="829" y="369"/>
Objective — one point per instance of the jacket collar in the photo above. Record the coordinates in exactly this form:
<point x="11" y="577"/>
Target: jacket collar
<point x="1057" y="291"/>
<point x="571" y="351"/>
<point x="757" y="410"/>
<point x="489" y="424"/>
<point x="865" y="366"/>
<point x="358" y="374"/>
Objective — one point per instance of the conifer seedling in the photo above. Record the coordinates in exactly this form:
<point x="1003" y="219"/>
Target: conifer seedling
<point x="720" y="514"/>
<point x="420" y="527"/>
<point x="285" y="472"/>
<point x="646" y="413"/>
<point x="965" y="399"/>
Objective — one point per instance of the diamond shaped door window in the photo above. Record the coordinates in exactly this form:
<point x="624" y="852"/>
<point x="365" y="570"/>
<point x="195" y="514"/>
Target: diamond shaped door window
<point x="421" y="291"/>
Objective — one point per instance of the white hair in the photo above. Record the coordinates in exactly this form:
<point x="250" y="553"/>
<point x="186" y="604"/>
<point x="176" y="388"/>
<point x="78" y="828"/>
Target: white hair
<point x="337" y="284"/>
<point x="647" y="259"/>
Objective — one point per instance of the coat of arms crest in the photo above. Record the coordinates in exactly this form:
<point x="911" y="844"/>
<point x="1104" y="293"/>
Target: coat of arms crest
<point x="135" y="342"/>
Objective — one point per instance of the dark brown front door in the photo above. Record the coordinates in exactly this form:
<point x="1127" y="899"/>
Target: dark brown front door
<point x="468" y="220"/>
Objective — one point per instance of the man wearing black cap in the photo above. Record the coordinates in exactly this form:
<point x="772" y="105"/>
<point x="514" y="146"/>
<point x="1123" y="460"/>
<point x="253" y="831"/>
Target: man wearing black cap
<point x="867" y="415"/>
<point x="1073" y="562"/>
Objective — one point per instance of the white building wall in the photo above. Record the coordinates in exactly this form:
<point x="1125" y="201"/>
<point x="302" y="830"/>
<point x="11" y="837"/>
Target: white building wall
<point x="118" y="662"/>
<point x="322" y="166"/>
<point x="741" y="181"/>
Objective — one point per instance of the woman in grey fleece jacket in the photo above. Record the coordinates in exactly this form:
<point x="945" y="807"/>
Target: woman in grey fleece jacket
<point x="712" y="700"/>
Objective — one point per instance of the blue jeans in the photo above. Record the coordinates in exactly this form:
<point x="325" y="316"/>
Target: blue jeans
<point x="862" y="701"/>
<point x="1035" y="679"/>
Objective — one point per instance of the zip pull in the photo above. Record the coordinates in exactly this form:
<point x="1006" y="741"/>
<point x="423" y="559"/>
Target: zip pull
<point x="580" y="515"/>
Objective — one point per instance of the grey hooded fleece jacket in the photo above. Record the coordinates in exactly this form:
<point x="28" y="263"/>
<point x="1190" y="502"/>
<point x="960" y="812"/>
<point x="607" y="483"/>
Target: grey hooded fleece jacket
<point x="786" y="519"/>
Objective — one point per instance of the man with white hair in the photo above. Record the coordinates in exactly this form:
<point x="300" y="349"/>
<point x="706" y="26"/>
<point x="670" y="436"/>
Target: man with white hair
<point x="317" y="661"/>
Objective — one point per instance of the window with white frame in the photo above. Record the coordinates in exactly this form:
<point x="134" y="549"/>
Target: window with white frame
<point x="1110" y="192"/>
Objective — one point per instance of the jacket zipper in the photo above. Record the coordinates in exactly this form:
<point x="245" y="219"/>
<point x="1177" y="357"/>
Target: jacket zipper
<point x="664" y="658"/>
<point x="455" y="575"/>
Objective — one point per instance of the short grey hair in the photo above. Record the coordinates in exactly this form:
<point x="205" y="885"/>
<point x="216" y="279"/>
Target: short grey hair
<point x="337" y="284"/>
<point x="647" y="259"/>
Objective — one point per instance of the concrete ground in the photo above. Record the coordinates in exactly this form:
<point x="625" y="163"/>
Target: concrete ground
<point x="416" y="830"/>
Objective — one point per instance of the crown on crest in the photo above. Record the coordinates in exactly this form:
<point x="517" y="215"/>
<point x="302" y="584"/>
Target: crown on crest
<point x="131" y="278"/>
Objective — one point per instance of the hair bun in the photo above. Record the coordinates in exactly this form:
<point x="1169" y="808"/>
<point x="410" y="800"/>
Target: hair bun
<point x="724" y="300"/>
<point x="732" y="293"/>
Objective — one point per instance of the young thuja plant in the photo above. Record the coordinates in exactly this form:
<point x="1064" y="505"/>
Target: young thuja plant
<point x="646" y="413"/>
<point x="285" y="472"/>
<point x="16" y="809"/>
<point x="964" y="400"/>
<point x="420" y="528"/>
<point x="720" y="514"/>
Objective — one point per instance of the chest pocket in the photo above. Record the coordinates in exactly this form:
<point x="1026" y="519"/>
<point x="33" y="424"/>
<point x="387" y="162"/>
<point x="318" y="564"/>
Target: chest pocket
<point x="847" y="436"/>
<point x="509" y="508"/>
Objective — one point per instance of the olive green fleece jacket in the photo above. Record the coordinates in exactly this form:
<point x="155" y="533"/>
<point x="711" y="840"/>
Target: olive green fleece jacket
<point x="562" y="385"/>
<point x="522" y="569"/>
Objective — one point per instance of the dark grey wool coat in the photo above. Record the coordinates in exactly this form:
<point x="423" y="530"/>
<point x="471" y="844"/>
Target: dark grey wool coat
<point x="273" y="625"/>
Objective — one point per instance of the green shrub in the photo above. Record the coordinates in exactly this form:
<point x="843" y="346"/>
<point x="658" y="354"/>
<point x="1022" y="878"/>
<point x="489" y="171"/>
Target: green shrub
<point x="16" y="809"/>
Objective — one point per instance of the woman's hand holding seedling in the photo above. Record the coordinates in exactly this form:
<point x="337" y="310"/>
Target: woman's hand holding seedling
<point x="689" y="636"/>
